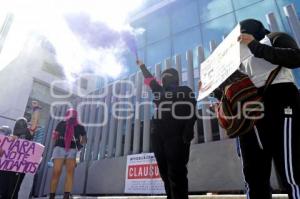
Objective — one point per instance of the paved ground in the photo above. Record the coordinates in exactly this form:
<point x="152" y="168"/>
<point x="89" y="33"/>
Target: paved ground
<point x="162" y="197"/>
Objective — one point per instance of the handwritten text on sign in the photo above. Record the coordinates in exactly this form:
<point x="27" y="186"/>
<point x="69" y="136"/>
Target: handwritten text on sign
<point x="224" y="61"/>
<point x="20" y="155"/>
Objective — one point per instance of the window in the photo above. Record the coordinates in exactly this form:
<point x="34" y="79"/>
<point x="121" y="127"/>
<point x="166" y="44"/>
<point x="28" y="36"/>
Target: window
<point x="157" y="52"/>
<point x="216" y="29"/>
<point x="210" y="9"/>
<point x="158" y="27"/>
<point x="184" y="15"/>
<point x="259" y="11"/>
<point x="243" y="3"/>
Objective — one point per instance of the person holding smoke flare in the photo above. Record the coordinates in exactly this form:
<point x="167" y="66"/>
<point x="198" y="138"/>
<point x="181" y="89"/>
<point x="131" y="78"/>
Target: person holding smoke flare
<point x="172" y="129"/>
<point x="10" y="182"/>
<point x="69" y="136"/>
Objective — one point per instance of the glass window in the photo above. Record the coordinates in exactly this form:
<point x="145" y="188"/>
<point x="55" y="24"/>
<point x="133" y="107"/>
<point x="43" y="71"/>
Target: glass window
<point x="258" y="11"/>
<point x="243" y="3"/>
<point x="185" y="15"/>
<point x="140" y="38"/>
<point x="216" y="29"/>
<point x="158" y="27"/>
<point x="210" y="9"/>
<point x="157" y="52"/>
<point x="185" y="41"/>
<point x="297" y="76"/>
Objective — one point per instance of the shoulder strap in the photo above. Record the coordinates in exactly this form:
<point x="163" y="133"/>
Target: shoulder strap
<point x="271" y="77"/>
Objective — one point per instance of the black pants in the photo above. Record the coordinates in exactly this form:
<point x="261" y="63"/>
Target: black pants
<point x="10" y="183"/>
<point x="172" y="156"/>
<point x="276" y="137"/>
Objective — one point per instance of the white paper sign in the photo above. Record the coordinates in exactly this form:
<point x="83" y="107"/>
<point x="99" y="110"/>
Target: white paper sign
<point x="142" y="175"/>
<point x="224" y="61"/>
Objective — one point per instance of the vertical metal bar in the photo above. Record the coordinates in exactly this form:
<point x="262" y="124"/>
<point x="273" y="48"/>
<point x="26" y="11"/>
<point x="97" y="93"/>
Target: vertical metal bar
<point x="190" y="69"/>
<point x="146" y="127"/>
<point x="98" y="130"/>
<point x="221" y="130"/>
<point x="120" y="123"/>
<point x="128" y="132"/>
<point x="105" y="130"/>
<point x="113" y="124"/>
<point x="168" y="63"/>
<point x="272" y="22"/>
<point x="291" y="14"/>
<point x="137" y="118"/>
<point x="179" y="67"/>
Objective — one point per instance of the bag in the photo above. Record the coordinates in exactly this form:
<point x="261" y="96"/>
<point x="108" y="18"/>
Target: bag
<point x="241" y="105"/>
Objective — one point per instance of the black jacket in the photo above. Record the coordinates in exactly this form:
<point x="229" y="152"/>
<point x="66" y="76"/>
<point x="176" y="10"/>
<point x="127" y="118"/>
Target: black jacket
<point x="180" y="99"/>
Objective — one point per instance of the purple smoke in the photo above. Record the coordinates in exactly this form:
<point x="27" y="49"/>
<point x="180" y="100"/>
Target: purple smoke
<point x="98" y="34"/>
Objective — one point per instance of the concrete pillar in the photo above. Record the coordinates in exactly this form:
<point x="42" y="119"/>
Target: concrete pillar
<point x="128" y="133"/>
<point x="273" y="25"/>
<point x="291" y="14"/>
<point x="106" y="125"/>
<point x="179" y="67"/>
<point x="168" y="63"/>
<point x="120" y="123"/>
<point x="137" y="116"/>
<point x="113" y="124"/>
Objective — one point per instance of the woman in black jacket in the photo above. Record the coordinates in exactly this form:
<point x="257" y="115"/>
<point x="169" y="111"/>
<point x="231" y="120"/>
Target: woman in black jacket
<point x="277" y="135"/>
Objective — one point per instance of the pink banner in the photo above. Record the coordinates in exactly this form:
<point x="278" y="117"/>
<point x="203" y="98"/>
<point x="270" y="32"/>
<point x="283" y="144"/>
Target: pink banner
<point x="20" y="155"/>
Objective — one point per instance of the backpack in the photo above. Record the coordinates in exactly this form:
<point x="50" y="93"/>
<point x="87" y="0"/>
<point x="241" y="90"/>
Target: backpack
<point x="241" y="105"/>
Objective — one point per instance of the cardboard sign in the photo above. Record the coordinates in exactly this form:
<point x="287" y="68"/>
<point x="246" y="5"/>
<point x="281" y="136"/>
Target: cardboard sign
<point x="222" y="63"/>
<point x="20" y="155"/>
<point x="142" y="175"/>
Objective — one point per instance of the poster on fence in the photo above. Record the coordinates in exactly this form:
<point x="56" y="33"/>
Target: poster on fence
<point x="142" y="175"/>
<point x="223" y="62"/>
<point x="19" y="155"/>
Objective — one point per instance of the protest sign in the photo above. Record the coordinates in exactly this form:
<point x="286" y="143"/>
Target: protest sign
<point x="20" y="155"/>
<point x="223" y="62"/>
<point x="142" y="175"/>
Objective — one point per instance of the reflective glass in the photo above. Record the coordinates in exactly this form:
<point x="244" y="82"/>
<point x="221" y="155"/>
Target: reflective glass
<point x="184" y="15"/>
<point x="210" y="9"/>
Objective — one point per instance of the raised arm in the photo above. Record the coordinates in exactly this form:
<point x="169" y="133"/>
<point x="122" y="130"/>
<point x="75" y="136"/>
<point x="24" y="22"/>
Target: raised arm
<point x="149" y="78"/>
<point x="285" y="51"/>
<point x="35" y="118"/>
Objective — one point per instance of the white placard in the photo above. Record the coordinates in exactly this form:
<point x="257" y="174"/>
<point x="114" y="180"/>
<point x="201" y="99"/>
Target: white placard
<point x="142" y="175"/>
<point x="224" y="61"/>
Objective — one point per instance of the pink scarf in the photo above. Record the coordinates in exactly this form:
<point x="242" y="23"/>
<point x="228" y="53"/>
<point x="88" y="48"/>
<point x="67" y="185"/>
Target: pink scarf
<point x="71" y="119"/>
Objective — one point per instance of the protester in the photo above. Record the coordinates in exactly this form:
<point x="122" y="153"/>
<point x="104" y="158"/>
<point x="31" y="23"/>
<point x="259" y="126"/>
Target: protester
<point x="4" y="175"/>
<point x="11" y="181"/>
<point x="28" y="181"/>
<point x="276" y="136"/>
<point x="69" y="137"/>
<point x="171" y="136"/>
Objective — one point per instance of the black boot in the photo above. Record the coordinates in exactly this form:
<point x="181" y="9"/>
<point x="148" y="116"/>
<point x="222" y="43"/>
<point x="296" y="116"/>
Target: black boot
<point x="52" y="196"/>
<point x="67" y="195"/>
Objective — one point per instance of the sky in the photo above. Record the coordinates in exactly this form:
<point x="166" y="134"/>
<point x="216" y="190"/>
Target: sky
<point x="88" y="35"/>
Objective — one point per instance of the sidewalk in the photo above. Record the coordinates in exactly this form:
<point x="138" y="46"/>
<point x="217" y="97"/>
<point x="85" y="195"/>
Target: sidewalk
<point x="163" y="197"/>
